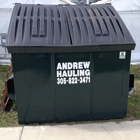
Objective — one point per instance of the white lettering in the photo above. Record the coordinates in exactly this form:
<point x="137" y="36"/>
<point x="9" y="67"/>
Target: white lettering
<point x="74" y="74"/>
<point x="59" y="66"/>
<point x="86" y="65"/>
<point x="75" y="65"/>
<point x="82" y="73"/>
<point x="69" y="65"/>
<point x="69" y="73"/>
<point x="59" y="73"/>
<point x="77" y="72"/>
<point x="64" y="66"/>
<point x="64" y="74"/>
<point x="80" y="65"/>
<point x="87" y="72"/>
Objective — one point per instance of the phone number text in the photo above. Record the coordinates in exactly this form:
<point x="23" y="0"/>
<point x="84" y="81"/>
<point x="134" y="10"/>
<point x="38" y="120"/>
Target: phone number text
<point x="73" y="80"/>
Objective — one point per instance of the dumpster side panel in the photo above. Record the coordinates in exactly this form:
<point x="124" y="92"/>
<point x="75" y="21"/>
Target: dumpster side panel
<point x="110" y="85"/>
<point x="33" y="84"/>
<point x="72" y="95"/>
<point x="125" y="84"/>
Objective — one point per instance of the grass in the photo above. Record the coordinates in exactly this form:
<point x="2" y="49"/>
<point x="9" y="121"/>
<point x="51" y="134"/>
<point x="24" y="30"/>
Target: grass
<point x="136" y="70"/>
<point x="134" y="99"/>
<point x="3" y="72"/>
<point x="133" y="113"/>
<point x="7" y="118"/>
<point x="134" y="106"/>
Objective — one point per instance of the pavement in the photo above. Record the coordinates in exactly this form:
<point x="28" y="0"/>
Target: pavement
<point x="128" y="130"/>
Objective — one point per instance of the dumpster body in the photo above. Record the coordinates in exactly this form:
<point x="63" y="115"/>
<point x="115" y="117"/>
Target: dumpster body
<point x="70" y="63"/>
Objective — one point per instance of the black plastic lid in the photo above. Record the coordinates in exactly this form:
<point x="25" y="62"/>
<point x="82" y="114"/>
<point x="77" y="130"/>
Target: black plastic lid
<point x="66" y="26"/>
<point x="38" y="25"/>
<point x="97" y="25"/>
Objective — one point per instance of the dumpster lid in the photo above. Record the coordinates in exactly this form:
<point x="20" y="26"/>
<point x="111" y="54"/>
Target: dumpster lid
<point x="97" y="25"/>
<point x="66" y="26"/>
<point x="38" y="25"/>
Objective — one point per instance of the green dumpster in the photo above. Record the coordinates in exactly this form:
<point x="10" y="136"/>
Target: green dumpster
<point x="70" y="63"/>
